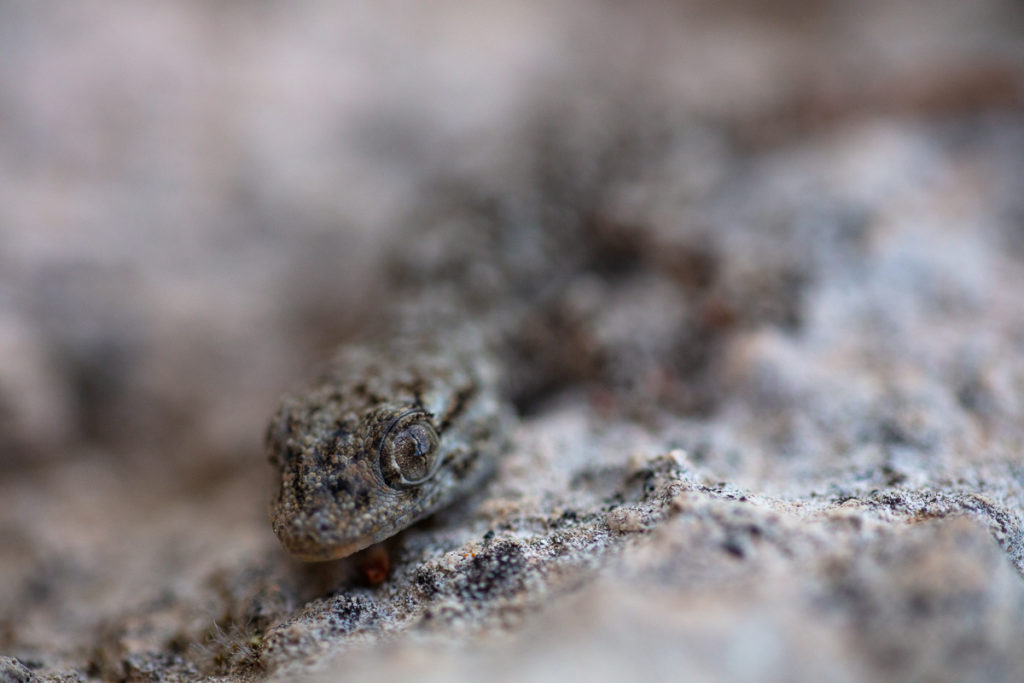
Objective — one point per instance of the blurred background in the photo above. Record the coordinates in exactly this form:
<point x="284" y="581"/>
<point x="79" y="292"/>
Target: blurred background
<point x="193" y="197"/>
<point x="196" y="200"/>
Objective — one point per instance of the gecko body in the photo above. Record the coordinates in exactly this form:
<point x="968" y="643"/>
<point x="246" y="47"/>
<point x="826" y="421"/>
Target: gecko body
<point x="404" y="423"/>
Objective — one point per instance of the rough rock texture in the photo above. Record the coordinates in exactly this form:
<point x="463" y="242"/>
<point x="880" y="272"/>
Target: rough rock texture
<point x="776" y="430"/>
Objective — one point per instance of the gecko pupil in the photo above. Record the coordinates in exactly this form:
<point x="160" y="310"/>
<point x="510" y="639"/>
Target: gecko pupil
<point x="409" y="454"/>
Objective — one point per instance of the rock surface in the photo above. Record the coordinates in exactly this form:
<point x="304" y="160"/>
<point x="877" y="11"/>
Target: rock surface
<point x="785" y="438"/>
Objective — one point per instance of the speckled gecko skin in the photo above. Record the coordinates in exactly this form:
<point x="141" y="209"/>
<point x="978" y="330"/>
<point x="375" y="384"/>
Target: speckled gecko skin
<point x="398" y="427"/>
<point x="389" y="433"/>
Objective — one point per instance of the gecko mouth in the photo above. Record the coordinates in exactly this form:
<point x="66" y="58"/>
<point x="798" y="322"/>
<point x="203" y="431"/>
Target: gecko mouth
<point x="310" y="547"/>
<point x="333" y="553"/>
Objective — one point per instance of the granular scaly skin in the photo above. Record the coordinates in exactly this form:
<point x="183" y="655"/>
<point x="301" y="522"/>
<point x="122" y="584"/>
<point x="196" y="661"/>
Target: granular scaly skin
<point x="326" y="441"/>
<point x="441" y="363"/>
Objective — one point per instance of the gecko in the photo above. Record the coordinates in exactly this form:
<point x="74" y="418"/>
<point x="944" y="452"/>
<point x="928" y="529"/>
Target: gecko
<point x="401" y="425"/>
<point x="388" y="433"/>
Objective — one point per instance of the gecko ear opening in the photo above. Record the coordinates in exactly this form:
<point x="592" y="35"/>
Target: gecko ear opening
<point x="408" y="452"/>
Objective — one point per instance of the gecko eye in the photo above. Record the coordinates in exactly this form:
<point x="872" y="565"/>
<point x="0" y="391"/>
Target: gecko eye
<point x="408" y="451"/>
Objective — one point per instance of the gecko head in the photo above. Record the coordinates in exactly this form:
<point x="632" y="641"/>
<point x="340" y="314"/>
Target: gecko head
<point x="346" y="484"/>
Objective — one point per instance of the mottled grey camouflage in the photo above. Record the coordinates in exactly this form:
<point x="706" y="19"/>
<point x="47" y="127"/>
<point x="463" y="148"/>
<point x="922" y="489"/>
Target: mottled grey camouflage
<point x="335" y="496"/>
